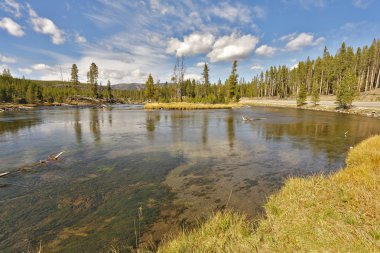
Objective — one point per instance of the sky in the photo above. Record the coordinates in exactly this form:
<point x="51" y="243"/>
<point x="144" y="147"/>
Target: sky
<point x="130" y="39"/>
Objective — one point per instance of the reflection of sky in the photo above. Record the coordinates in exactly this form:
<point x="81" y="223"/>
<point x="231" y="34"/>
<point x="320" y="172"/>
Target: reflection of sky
<point x="287" y="138"/>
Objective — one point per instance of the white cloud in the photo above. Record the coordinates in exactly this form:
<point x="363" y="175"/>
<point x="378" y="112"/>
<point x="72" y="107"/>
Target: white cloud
<point x="11" y="7"/>
<point x="41" y="67"/>
<point x="163" y="9"/>
<point x="195" y="43"/>
<point x="234" y="13"/>
<point x="362" y="3"/>
<point x="297" y="42"/>
<point x="266" y="50"/>
<point x="11" y="27"/>
<point x="196" y="77"/>
<point x="46" y="26"/>
<point x="7" y="59"/>
<point x="232" y="47"/>
<point x="80" y="39"/>
<point x="25" y="70"/>
<point x="294" y="66"/>
<point x="201" y="64"/>
<point x="257" y="67"/>
<point x="288" y="37"/>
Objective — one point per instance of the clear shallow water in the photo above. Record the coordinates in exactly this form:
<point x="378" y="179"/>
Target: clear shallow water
<point x="173" y="166"/>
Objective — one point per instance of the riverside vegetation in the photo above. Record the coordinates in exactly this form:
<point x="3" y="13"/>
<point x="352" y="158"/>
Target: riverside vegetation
<point x="321" y="213"/>
<point x="345" y="74"/>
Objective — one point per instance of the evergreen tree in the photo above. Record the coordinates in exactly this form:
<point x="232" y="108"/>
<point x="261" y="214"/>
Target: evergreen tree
<point x="30" y="94"/>
<point x="315" y="94"/>
<point x="149" y="88"/>
<point x="302" y="95"/>
<point x="92" y="77"/>
<point x="206" y="82"/>
<point x="109" y="90"/>
<point x="74" y="76"/>
<point x="347" y="90"/>
<point x="232" y="83"/>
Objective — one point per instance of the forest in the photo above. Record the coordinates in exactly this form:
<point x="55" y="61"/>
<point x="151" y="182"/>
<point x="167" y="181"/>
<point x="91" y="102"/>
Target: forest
<point x="345" y="74"/>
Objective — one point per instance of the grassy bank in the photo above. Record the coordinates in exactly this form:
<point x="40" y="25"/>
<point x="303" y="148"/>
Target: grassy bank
<point x="335" y="213"/>
<point x="188" y="106"/>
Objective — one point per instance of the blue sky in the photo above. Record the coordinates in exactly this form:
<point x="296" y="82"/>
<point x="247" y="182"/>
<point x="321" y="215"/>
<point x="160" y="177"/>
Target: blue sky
<point x="129" y="39"/>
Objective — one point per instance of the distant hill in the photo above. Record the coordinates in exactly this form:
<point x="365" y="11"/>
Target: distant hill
<point x="128" y="86"/>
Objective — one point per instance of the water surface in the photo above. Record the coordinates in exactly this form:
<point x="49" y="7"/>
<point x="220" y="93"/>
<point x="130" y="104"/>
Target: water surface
<point x="126" y="171"/>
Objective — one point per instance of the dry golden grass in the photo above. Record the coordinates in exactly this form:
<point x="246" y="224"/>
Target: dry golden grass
<point x="188" y="106"/>
<point x="336" y="213"/>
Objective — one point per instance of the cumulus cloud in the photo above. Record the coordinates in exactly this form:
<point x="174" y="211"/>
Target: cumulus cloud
<point x="25" y="70"/>
<point x="233" y="13"/>
<point x="362" y="3"/>
<point x="297" y="42"/>
<point x="11" y="7"/>
<point x="7" y="59"/>
<point x="232" y="47"/>
<point x="80" y="39"/>
<point x="46" y="26"/>
<point x="11" y="27"/>
<point x="193" y="44"/>
<point x="265" y="50"/>
<point x="257" y="67"/>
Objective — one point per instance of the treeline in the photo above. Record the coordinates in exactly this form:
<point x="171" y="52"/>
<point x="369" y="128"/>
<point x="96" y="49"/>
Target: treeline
<point x="344" y="74"/>
<point x="22" y="91"/>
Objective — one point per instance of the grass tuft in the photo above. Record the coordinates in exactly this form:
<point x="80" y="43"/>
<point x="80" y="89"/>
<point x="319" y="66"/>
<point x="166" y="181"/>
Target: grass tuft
<point x="335" y="213"/>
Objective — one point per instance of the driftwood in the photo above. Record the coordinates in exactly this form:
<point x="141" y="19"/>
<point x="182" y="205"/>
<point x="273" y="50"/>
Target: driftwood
<point x="4" y="174"/>
<point x="51" y="158"/>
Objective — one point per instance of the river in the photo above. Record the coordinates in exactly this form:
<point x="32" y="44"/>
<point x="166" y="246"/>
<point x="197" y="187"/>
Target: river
<point x="128" y="176"/>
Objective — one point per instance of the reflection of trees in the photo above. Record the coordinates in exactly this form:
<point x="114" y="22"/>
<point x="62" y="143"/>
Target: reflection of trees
<point x="95" y="125"/>
<point x="230" y="129"/>
<point x="152" y="117"/>
<point x="14" y="125"/>
<point x="110" y="118"/>
<point x="205" y="128"/>
<point x="327" y="135"/>
<point x="77" y="126"/>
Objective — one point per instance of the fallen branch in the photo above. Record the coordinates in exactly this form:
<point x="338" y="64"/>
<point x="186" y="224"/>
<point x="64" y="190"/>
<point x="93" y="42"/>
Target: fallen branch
<point x="4" y="174"/>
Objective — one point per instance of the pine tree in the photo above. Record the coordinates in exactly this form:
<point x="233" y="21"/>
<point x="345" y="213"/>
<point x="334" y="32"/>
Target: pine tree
<point x="74" y="76"/>
<point x="206" y="82"/>
<point x="92" y="77"/>
<point x="109" y="90"/>
<point x="232" y="83"/>
<point x="315" y="94"/>
<point x="347" y="90"/>
<point x="149" y="88"/>
<point x="30" y="94"/>
<point x="302" y="95"/>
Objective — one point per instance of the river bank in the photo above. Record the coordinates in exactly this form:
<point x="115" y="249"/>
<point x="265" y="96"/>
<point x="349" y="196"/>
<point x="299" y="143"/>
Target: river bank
<point x="336" y="213"/>
<point x="368" y="109"/>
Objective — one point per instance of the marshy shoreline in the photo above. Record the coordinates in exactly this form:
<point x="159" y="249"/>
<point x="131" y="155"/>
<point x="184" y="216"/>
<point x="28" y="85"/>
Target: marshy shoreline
<point x="334" y="213"/>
